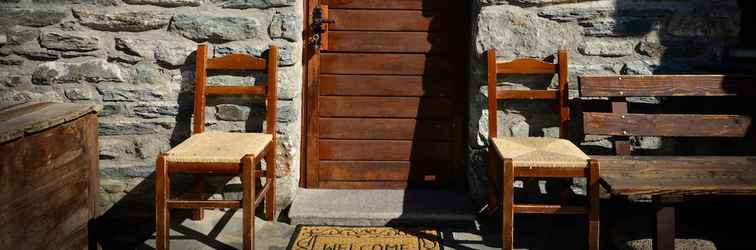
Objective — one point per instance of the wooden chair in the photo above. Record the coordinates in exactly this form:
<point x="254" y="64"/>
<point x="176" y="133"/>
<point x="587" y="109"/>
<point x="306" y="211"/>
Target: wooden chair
<point x="537" y="156"/>
<point x="223" y="153"/>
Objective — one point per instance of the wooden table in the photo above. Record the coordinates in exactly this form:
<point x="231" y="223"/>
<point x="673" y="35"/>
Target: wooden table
<point x="48" y="175"/>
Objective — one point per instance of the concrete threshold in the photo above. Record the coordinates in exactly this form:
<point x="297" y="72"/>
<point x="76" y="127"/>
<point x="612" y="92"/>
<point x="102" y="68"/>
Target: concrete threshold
<point x="382" y="207"/>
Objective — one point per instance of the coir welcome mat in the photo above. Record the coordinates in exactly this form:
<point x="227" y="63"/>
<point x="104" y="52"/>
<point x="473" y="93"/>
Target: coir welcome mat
<point x="364" y="238"/>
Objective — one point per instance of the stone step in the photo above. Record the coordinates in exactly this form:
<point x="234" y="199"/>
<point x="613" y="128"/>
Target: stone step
<point x="382" y="207"/>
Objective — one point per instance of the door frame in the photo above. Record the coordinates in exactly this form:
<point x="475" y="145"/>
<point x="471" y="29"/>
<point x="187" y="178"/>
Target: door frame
<point x="310" y="106"/>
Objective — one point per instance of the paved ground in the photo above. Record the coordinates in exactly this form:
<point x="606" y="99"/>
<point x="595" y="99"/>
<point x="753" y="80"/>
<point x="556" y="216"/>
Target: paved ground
<point x="725" y="223"/>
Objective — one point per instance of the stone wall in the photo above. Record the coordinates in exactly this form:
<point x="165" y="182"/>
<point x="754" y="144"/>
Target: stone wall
<point x="134" y="60"/>
<point x="602" y="37"/>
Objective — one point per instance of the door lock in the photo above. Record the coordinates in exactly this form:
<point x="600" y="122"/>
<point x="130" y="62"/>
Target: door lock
<point x="318" y="20"/>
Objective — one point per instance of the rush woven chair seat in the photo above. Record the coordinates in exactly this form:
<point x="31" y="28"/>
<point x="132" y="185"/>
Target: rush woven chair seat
<point x="512" y="157"/>
<point x="219" y="147"/>
<point x="223" y="152"/>
<point x="540" y="152"/>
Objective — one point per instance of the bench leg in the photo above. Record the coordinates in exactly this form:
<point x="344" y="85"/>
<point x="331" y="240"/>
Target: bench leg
<point x="248" y="202"/>
<point x="665" y="232"/>
<point x="507" y="188"/>
<point x="162" y="216"/>
<point x="593" y="204"/>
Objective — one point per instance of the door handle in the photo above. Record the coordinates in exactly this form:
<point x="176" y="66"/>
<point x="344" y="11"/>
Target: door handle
<point x="319" y="18"/>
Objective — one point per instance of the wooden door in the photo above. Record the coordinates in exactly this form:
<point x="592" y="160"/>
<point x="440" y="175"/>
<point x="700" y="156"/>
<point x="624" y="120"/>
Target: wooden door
<point x="385" y="95"/>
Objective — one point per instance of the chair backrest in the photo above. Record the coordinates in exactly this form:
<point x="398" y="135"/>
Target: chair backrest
<point x="235" y="62"/>
<point x="622" y="124"/>
<point x="528" y="66"/>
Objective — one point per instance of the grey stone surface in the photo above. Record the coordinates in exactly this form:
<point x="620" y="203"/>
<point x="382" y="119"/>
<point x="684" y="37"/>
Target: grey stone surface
<point x="121" y="20"/>
<point x="149" y="74"/>
<point x="79" y="93"/>
<point x="32" y="17"/>
<point x="94" y="71"/>
<point x="14" y="60"/>
<point x="286" y="56"/>
<point x="166" y="3"/>
<point x="34" y="53"/>
<point x="516" y="32"/>
<point x="126" y="93"/>
<point x="202" y="28"/>
<point x="381" y="207"/>
<point x="3" y="39"/>
<point x="607" y="47"/>
<point x="174" y="54"/>
<point x="285" y="26"/>
<point x="73" y="41"/>
<point x="19" y="35"/>
<point x="133" y="46"/>
<point x="258" y="4"/>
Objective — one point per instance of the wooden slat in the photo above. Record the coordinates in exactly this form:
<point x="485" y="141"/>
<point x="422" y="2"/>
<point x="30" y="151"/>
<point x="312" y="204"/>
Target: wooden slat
<point x="378" y="170"/>
<point x="367" y="85"/>
<point x="689" y="175"/>
<point x="383" y="20"/>
<point x="668" y="85"/>
<point x="666" y="125"/>
<point x="383" y="150"/>
<point x="527" y="94"/>
<point x="204" y="204"/>
<point x="404" y="42"/>
<point x="526" y="66"/>
<point x="387" y="129"/>
<point x="381" y="64"/>
<point x="236" y="62"/>
<point x="363" y="184"/>
<point x="387" y="4"/>
<point x="235" y="90"/>
<point x="547" y="209"/>
<point x="385" y="107"/>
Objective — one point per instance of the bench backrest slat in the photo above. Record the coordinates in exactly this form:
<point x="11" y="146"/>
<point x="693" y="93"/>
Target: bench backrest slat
<point x="675" y="125"/>
<point x="667" y="85"/>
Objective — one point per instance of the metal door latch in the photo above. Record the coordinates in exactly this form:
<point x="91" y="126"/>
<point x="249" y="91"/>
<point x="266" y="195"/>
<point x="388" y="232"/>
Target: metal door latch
<point x="317" y="26"/>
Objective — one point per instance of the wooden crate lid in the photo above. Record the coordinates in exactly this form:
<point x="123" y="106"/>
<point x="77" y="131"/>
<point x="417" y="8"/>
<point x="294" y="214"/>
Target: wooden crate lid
<point x="16" y="120"/>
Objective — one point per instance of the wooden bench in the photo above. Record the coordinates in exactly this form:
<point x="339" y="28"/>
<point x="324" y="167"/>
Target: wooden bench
<point x="668" y="179"/>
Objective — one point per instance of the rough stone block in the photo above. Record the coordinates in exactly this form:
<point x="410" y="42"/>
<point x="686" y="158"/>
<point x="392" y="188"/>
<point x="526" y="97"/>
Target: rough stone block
<point x="3" y="39"/>
<point x="166" y="3"/>
<point x="257" y="4"/>
<point x="216" y="29"/>
<point x="69" y="41"/>
<point x="149" y="74"/>
<point x="231" y="112"/>
<point x="156" y="110"/>
<point x="286" y="26"/>
<point x="124" y="126"/>
<point x="175" y="54"/>
<point x="129" y="93"/>
<point x="79" y="93"/>
<point x="94" y="71"/>
<point x="607" y="47"/>
<point x="117" y="20"/>
<point x="18" y="35"/>
<point x="286" y="56"/>
<point x="33" y="17"/>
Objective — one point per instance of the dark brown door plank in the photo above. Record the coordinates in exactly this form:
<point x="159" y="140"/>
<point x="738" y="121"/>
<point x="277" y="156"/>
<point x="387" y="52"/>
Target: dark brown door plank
<point x="666" y="125"/>
<point x="365" y="85"/>
<point x="404" y="42"/>
<point x="385" y="107"/>
<point x="364" y="184"/>
<point x="383" y="150"/>
<point x="381" y="64"/>
<point x="378" y="171"/>
<point x="388" y="129"/>
<point x="383" y="20"/>
<point x="387" y="4"/>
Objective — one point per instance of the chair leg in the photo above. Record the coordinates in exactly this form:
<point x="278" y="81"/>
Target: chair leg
<point x="493" y="177"/>
<point x="199" y="187"/>
<point x="270" y="196"/>
<point x="162" y="189"/>
<point x="508" y="206"/>
<point x="594" y="201"/>
<point x="248" y="202"/>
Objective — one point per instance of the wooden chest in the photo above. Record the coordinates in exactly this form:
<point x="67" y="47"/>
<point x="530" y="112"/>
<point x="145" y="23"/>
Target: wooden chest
<point x="48" y="175"/>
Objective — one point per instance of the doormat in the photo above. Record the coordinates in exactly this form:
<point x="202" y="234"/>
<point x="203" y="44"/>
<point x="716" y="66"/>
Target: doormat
<point x="364" y="238"/>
